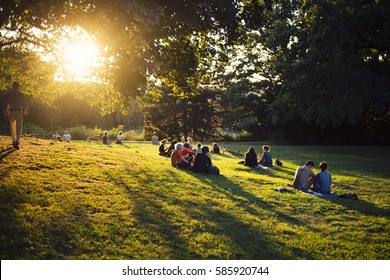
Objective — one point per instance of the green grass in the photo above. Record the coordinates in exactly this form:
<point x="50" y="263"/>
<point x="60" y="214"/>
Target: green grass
<point x="91" y="201"/>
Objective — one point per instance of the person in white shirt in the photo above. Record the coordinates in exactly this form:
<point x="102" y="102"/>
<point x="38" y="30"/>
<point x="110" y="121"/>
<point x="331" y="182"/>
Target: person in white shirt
<point x="66" y="137"/>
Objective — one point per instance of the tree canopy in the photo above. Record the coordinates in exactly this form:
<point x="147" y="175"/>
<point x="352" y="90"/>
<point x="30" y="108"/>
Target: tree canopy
<point x="287" y="70"/>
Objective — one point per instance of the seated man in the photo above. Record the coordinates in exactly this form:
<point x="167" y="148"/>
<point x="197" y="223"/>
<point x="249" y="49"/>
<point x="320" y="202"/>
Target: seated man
<point x="177" y="159"/>
<point x="304" y="177"/>
<point x="202" y="162"/>
<point x="162" y="151"/>
<point x="187" y="152"/>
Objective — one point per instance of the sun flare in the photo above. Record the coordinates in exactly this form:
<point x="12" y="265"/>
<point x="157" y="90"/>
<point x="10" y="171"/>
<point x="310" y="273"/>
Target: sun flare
<point x="79" y="57"/>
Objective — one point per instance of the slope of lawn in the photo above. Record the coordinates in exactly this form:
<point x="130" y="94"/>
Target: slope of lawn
<point x="92" y="201"/>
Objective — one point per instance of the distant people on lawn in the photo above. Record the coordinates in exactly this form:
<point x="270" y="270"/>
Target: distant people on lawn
<point x="304" y="177"/>
<point x="323" y="180"/>
<point x="266" y="157"/>
<point x="198" y="148"/>
<point x="202" y="163"/>
<point x="105" y="138"/>
<point x="15" y="108"/>
<point x="119" y="138"/>
<point x="66" y="137"/>
<point x="154" y="139"/>
<point x="177" y="159"/>
<point x="216" y="149"/>
<point x="55" y="135"/>
<point x="162" y="151"/>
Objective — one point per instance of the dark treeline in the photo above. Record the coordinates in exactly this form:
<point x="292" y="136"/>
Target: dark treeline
<point x="288" y="71"/>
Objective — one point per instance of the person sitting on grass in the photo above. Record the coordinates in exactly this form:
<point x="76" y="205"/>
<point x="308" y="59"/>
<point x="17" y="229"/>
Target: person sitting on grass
<point x="171" y="148"/>
<point x="216" y="150"/>
<point x="203" y="164"/>
<point x="304" y="177"/>
<point x="119" y="138"/>
<point x="162" y="151"/>
<point x="177" y="159"/>
<point x="323" y="180"/>
<point x="105" y="138"/>
<point x="250" y="158"/>
<point x="266" y="157"/>
<point x="187" y="152"/>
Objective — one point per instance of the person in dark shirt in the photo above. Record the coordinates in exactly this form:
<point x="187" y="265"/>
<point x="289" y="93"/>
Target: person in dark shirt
<point x="216" y="149"/>
<point x="250" y="157"/>
<point x="202" y="161"/>
<point x="162" y="151"/>
<point x="15" y="108"/>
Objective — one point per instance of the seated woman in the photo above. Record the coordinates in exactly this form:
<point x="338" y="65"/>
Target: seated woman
<point x="105" y="138"/>
<point x="171" y="148"/>
<point x="187" y="152"/>
<point x="177" y="159"/>
<point x="119" y="138"/>
<point x="266" y="157"/>
<point x="250" y="157"/>
<point x="161" y="150"/>
<point x="323" y="180"/>
<point x="202" y="163"/>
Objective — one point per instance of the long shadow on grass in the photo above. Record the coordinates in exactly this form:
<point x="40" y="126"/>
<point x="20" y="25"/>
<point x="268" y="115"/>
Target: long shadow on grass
<point x="254" y="243"/>
<point x="4" y="152"/>
<point x="364" y="207"/>
<point x="13" y="236"/>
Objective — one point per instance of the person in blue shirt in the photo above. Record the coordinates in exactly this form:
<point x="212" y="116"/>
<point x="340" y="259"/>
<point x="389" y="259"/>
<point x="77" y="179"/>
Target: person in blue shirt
<point x="266" y="157"/>
<point x="323" y="179"/>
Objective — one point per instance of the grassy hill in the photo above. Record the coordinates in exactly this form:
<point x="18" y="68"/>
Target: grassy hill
<point x="92" y="201"/>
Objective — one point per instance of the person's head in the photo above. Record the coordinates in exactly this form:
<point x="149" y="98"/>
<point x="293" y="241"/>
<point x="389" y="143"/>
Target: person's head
<point x="215" y="144"/>
<point x="178" y="146"/>
<point x="205" y="149"/>
<point x="164" y="141"/>
<point x="66" y="132"/>
<point x="105" y="132"/>
<point x="120" y="133"/>
<point x="251" y="150"/>
<point x="199" y="145"/>
<point x="186" y="145"/>
<point x="323" y="165"/>
<point x="310" y="163"/>
<point x="266" y="148"/>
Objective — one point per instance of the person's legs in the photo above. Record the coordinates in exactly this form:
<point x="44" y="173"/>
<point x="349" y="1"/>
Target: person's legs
<point x="12" y="124"/>
<point x="19" y="126"/>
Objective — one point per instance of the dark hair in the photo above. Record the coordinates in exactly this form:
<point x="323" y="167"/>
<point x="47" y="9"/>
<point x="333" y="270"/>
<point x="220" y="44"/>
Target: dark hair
<point x="186" y="145"/>
<point x="205" y="149"/>
<point x="266" y="147"/>
<point x="309" y="163"/>
<point x="251" y="150"/>
<point x="323" y="165"/>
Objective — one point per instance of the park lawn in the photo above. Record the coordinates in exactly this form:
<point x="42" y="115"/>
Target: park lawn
<point x="92" y="201"/>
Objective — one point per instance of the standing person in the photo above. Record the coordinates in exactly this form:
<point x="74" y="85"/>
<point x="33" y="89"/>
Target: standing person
<point x="15" y="108"/>
<point x="154" y="139"/>
<point x="304" y="177"/>
<point x="323" y="179"/>
<point x="266" y="157"/>
<point x="66" y="137"/>
<point x="250" y="158"/>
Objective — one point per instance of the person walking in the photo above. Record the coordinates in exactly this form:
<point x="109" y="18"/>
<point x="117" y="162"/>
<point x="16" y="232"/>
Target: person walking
<point x="15" y="108"/>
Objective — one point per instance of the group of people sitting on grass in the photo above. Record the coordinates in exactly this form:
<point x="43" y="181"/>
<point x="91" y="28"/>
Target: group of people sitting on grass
<point x="265" y="158"/>
<point x="119" y="138"/>
<point x="64" y="138"/>
<point x="305" y="180"/>
<point x="198" y="160"/>
<point x="183" y="155"/>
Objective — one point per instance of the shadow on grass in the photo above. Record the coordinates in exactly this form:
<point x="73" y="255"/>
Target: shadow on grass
<point x="4" y="152"/>
<point x="183" y="240"/>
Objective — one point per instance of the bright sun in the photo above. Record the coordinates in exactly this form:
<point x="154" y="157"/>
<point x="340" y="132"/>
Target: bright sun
<point x="79" y="57"/>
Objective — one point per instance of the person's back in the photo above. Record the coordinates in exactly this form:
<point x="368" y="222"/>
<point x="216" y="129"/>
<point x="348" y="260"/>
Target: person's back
<point x="154" y="139"/>
<point x="250" y="158"/>
<point x="216" y="149"/>
<point x="304" y="177"/>
<point x="323" y="180"/>
<point x="202" y="161"/>
<point x="266" y="157"/>
<point x="66" y="137"/>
